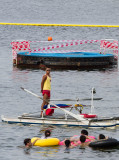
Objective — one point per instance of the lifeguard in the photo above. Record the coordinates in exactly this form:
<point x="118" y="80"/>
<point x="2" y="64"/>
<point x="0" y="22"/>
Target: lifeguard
<point x="46" y="88"/>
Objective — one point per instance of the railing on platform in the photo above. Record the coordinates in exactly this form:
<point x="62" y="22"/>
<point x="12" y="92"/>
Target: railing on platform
<point x="104" y="46"/>
<point x="109" y="45"/>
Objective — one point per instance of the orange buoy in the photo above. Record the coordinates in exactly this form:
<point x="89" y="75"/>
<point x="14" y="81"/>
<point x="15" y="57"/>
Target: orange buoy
<point x="49" y="38"/>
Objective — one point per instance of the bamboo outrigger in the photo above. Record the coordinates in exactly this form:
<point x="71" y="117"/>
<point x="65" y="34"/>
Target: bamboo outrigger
<point x="69" y="118"/>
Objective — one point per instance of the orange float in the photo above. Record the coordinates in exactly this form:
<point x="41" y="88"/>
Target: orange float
<point x="49" y="38"/>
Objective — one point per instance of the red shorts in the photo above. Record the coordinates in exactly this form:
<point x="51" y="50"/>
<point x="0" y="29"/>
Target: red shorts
<point x="46" y="92"/>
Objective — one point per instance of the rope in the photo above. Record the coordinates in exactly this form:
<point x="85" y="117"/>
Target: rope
<point x="59" y="25"/>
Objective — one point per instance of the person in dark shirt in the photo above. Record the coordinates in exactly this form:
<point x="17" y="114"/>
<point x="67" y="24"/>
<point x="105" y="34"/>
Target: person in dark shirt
<point x="28" y="144"/>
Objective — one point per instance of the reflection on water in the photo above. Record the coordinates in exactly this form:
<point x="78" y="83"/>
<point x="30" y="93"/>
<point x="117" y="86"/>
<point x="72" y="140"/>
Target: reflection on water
<point x="48" y="152"/>
<point x="20" y="75"/>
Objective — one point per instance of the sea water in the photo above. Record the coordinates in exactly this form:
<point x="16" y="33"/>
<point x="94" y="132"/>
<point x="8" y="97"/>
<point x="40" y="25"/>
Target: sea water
<point x="65" y="84"/>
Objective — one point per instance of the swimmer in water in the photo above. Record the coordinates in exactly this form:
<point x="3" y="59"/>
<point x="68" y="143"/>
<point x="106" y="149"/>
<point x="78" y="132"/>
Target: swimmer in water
<point x="68" y="145"/>
<point x="102" y="136"/>
<point x="76" y="138"/>
<point x="28" y="144"/>
<point x="47" y="135"/>
<point x="83" y="141"/>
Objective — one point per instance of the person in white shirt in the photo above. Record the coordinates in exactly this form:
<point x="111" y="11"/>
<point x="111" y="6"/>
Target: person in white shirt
<point x="47" y="135"/>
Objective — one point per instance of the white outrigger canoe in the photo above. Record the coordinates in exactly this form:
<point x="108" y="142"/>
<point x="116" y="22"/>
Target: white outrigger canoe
<point x="68" y="119"/>
<point x="87" y="123"/>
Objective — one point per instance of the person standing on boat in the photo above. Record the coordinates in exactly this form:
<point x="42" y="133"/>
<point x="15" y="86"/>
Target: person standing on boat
<point x="45" y="88"/>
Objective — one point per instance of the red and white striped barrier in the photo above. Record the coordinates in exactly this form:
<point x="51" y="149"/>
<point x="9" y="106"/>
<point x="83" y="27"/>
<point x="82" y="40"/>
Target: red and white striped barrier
<point x="19" y="46"/>
<point x="68" y="51"/>
<point x="110" y="44"/>
<point x="66" y="44"/>
<point x="25" y="46"/>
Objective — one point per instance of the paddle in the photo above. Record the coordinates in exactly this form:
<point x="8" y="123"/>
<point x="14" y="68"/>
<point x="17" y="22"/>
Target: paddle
<point x="78" y="117"/>
<point x="84" y="99"/>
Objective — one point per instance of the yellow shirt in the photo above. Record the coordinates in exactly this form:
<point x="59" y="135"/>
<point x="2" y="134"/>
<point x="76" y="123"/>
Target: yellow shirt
<point x="47" y="84"/>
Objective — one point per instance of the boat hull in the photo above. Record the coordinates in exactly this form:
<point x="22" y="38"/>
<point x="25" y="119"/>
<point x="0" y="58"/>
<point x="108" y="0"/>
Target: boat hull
<point x="93" y="123"/>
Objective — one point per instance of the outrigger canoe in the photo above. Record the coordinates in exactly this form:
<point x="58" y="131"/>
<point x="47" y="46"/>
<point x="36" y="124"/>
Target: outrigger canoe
<point x="87" y="123"/>
<point x="68" y="118"/>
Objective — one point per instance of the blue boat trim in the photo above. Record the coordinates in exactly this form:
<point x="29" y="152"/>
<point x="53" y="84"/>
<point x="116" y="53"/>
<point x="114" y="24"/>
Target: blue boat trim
<point x="85" y="126"/>
<point x="68" y="54"/>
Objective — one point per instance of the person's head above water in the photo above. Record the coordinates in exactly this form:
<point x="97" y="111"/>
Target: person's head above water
<point x="27" y="142"/>
<point x="84" y="132"/>
<point x="82" y="138"/>
<point x="47" y="133"/>
<point x="101" y="136"/>
<point x="67" y="143"/>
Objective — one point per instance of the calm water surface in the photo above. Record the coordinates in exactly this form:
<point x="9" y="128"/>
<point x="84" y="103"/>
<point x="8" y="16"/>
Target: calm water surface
<point x="67" y="83"/>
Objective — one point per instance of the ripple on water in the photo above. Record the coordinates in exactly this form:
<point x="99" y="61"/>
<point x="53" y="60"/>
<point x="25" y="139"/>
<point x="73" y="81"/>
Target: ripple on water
<point x="65" y="84"/>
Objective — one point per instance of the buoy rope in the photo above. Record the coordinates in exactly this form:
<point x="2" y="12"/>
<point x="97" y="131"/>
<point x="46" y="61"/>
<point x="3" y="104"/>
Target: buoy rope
<point x="58" y="25"/>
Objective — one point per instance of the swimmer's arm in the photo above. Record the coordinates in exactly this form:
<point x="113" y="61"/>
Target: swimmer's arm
<point x="76" y="144"/>
<point x="71" y="138"/>
<point x="35" y="141"/>
<point x="92" y="139"/>
<point x="74" y="139"/>
<point x="72" y="146"/>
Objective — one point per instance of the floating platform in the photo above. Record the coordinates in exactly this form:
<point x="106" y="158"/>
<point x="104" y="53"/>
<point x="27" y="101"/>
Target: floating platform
<point x="50" y="54"/>
<point x="70" y="60"/>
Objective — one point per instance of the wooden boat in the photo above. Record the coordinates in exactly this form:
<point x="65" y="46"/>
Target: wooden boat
<point x="87" y="123"/>
<point x="68" y="119"/>
<point x="46" y="56"/>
